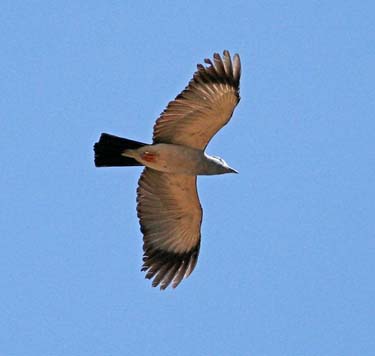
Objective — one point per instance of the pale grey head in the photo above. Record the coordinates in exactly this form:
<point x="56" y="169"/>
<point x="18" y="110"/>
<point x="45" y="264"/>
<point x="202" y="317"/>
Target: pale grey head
<point x="216" y="165"/>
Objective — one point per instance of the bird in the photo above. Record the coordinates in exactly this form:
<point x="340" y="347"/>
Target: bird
<point x="168" y="206"/>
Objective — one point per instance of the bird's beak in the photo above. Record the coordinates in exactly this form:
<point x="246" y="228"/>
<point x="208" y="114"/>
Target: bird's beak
<point x="232" y="170"/>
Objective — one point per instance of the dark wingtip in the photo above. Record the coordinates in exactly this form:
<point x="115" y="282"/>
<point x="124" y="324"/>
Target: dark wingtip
<point x="222" y="69"/>
<point x="166" y="268"/>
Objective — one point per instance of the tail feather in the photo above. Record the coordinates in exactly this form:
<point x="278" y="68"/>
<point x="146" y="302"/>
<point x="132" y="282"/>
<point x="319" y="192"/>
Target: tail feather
<point x="109" y="148"/>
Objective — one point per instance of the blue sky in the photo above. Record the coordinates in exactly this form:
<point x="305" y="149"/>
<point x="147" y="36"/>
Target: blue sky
<point x="287" y="258"/>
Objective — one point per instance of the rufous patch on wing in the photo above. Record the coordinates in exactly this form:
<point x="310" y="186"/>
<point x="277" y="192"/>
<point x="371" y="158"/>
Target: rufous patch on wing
<point x="149" y="157"/>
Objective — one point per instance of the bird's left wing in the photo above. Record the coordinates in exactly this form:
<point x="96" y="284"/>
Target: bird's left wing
<point x="170" y="216"/>
<point x="204" y="107"/>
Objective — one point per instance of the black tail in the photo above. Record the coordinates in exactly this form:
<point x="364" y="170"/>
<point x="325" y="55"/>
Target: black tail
<point x="109" y="149"/>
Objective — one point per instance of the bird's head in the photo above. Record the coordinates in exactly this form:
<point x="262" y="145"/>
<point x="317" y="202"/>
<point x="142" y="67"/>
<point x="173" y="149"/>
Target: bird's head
<point x="219" y="166"/>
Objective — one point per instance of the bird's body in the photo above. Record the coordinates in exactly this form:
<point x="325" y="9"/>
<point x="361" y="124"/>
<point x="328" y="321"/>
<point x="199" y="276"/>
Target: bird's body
<point x="178" y="159"/>
<point x="168" y="205"/>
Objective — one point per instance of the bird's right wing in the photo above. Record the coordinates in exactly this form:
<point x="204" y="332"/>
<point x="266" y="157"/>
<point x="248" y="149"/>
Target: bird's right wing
<point x="170" y="216"/>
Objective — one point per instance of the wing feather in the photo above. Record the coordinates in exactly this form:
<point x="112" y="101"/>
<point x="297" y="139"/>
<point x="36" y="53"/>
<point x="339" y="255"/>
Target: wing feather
<point x="170" y="216"/>
<point x="204" y="107"/>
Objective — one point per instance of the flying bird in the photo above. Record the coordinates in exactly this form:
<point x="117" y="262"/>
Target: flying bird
<point x="168" y="206"/>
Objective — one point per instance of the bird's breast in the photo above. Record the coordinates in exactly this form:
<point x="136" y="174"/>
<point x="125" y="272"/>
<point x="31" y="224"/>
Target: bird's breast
<point x="171" y="158"/>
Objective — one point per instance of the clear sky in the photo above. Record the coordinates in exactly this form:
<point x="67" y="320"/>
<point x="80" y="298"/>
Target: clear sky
<point x="287" y="259"/>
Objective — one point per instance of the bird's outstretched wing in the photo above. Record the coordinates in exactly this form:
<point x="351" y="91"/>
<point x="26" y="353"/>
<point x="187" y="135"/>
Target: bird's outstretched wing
<point x="170" y="216"/>
<point x="204" y="107"/>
